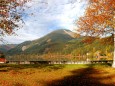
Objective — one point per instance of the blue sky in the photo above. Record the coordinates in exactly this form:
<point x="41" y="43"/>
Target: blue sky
<point x="47" y="16"/>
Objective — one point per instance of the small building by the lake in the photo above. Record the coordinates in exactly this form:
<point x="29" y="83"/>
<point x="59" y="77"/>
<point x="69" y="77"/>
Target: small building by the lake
<point x="2" y="60"/>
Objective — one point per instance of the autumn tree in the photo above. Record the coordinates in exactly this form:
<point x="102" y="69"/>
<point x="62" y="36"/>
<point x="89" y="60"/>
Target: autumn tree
<point x="10" y="14"/>
<point x="99" y="19"/>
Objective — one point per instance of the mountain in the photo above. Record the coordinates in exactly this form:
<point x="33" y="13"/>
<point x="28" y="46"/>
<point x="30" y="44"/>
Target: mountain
<point x="64" y="42"/>
<point x="52" y="42"/>
<point x="5" y="47"/>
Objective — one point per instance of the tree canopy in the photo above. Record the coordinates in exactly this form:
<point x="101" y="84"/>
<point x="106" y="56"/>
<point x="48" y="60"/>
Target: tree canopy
<point x="99" y="18"/>
<point x="10" y="14"/>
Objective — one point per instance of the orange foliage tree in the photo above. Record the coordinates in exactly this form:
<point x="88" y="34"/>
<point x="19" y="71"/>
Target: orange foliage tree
<point x="99" y="19"/>
<point x="10" y="14"/>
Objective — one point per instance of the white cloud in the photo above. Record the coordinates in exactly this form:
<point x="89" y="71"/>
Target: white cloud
<point x="47" y="16"/>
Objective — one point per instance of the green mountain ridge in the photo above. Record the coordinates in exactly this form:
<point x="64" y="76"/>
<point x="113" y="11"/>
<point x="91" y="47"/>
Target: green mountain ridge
<point x="63" y="42"/>
<point x="5" y="47"/>
<point x="41" y="45"/>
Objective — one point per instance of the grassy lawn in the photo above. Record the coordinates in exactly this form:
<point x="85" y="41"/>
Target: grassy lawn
<point x="57" y="75"/>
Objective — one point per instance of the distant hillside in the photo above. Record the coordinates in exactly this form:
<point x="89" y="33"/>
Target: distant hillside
<point x="52" y="42"/>
<point x="5" y="48"/>
<point x="63" y="42"/>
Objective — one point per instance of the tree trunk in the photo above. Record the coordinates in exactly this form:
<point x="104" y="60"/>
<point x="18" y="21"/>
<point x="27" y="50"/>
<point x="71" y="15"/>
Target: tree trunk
<point x="113" y="65"/>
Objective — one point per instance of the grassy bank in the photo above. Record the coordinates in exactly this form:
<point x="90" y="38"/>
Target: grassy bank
<point x="57" y="75"/>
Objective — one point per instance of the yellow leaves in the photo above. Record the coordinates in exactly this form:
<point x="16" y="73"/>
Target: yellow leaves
<point x="98" y="16"/>
<point x="96" y="1"/>
<point x="100" y="19"/>
<point x="9" y="14"/>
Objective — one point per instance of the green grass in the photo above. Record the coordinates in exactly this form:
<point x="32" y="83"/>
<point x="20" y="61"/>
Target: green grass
<point x="57" y="75"/>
